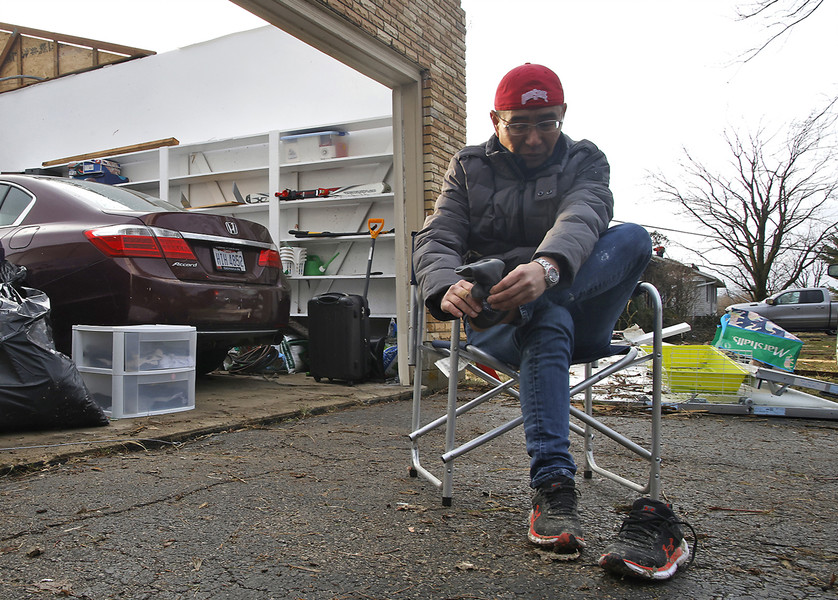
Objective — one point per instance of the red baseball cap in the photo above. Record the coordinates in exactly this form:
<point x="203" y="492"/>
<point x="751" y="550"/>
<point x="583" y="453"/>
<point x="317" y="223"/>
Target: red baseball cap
<point x="529" y="86"/>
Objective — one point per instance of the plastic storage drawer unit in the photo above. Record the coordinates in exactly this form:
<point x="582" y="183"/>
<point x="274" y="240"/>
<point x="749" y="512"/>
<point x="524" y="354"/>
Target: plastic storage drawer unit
<point x="137" y="370"/>
<point x="126" y="396"/>
<point x="134" y="348"/>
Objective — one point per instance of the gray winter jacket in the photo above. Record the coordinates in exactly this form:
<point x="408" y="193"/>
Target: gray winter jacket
<point x="490" y="206"/>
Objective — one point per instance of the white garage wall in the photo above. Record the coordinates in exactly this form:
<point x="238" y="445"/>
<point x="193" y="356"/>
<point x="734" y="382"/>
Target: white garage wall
<point x="244" y="83"/>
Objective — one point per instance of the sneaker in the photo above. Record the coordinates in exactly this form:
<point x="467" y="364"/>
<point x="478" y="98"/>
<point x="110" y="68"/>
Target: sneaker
<point x="554" y="521"/>
<point x="650" y="544"/>
<point x="484" y="274"/>
<point x="489" y="317"/>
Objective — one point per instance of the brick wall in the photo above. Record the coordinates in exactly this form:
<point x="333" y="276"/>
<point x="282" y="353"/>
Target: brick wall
<point x="432" y="34"/>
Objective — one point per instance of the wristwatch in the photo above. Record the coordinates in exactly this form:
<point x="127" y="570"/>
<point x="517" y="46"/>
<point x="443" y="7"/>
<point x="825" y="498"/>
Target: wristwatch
<point x="551" y="273"/>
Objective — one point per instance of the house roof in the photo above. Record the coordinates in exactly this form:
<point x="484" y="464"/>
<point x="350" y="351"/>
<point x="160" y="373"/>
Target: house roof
<point x="29" y="56"/>
<point x="709" y="279"/>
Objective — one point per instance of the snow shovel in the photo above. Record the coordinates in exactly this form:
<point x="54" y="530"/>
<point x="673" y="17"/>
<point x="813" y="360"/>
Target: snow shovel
<point x="375" y="226"/>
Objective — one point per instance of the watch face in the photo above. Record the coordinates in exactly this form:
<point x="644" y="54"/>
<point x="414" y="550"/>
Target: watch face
<point x="551" y="274"/>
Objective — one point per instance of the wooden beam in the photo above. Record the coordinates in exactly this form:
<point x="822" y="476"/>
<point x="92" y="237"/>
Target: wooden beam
<point x="71" y="54"/>
<point x="76" y="41"/>
<point x="113" y="151"/>
<point x="10" y="42"/>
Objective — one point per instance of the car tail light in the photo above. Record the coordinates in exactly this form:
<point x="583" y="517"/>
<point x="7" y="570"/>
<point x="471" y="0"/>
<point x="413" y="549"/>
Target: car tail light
<point x="173" y="244"/>
<point x="270" y="258"/>
<point x="139" y="242"/>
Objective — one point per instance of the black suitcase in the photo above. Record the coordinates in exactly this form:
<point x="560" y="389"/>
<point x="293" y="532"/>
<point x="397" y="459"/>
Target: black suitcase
<point x="338" y="337"/>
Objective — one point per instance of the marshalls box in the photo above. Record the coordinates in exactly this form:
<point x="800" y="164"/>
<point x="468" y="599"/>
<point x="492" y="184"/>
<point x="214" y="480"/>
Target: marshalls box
<point x="137" y="370"/>
<point x="318" y="145"/>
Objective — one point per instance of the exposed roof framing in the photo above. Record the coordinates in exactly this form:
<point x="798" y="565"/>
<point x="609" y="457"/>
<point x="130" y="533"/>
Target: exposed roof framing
<point x="30" y="55"/>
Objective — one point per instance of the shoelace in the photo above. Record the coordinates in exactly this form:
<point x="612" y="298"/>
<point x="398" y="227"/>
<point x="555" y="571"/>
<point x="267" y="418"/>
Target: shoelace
<point x="642" y="526"/>
<point x="561" y="502"/>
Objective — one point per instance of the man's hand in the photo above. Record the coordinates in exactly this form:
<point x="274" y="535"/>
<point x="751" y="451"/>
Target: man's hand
<point x="523" y="284"/>
<point x="459" y="302"/>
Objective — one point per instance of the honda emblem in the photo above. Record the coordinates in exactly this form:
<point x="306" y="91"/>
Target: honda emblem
<point x="231" y="227"/>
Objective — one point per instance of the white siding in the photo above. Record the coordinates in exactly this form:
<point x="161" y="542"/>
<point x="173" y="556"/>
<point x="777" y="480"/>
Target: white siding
<point x="243" y="83"/>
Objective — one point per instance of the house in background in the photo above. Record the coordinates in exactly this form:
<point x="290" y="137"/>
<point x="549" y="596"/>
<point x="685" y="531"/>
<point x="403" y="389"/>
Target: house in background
<point x="707" y="296"/>
<point x="684" y="289"/>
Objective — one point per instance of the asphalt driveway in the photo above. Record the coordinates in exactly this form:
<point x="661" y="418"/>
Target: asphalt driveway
<point x="319" y="504"/>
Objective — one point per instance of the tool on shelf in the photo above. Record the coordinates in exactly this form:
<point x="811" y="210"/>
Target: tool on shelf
<point x="329" y="234"/>
<point x="250" y="198"/>
<point x="303" y="194"/>
<point x="347" y="191"/>
<point x="375" y="226"/>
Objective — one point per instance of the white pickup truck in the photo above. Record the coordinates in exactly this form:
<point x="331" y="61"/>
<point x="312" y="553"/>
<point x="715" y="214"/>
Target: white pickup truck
<point x="797" y="309"/>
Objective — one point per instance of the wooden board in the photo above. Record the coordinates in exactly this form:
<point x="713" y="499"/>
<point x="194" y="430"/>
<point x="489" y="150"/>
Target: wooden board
<point x="221" y="205"/>
<point x="113" y="151"/>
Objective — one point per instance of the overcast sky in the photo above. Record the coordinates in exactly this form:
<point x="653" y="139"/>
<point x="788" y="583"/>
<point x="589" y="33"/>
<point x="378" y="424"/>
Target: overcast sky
<point x="643" y="79"/>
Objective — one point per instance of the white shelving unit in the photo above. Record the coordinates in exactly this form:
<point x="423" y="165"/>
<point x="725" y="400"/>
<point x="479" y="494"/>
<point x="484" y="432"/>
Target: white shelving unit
<point x="202" y="177"/>
<point x="369" y="160"/>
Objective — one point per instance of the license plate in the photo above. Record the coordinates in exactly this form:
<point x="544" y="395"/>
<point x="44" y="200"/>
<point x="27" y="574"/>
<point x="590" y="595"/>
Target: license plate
<point x="228" y="260"/>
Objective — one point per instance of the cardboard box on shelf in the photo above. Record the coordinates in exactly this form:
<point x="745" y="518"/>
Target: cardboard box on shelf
<point x="318" y="145"/>
<point x="97" y="169"/>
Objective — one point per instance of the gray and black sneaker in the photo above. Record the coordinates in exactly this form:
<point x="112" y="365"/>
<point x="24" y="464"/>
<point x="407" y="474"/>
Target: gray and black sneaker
<point x="554" y="520"/>
<point x="488" y="317"/>
<point x="650" y="544"/>
<point x="484" y="274"/>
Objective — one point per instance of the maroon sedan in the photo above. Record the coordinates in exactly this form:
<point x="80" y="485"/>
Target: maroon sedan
<point x="108" y="255"/>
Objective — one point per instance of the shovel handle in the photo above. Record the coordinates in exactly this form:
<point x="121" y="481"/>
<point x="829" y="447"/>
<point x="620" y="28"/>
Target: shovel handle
<point x="375" y="226"/>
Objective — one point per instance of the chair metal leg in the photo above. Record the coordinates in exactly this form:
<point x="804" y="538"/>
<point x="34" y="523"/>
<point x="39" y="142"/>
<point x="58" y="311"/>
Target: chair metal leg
<point x="415" y="359"/>
<point x="591" y="425"/>
<point x="657" y="390"/>
<point x="451" y="423"/>
<point x="588" y="435"/>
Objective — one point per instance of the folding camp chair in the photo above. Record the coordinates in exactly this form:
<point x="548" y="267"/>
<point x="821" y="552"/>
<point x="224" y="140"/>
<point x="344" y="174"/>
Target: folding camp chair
<point x="484" y="366"/>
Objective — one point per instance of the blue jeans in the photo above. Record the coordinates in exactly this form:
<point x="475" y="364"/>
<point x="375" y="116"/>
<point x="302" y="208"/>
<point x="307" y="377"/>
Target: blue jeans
<point x="562" y="326"/>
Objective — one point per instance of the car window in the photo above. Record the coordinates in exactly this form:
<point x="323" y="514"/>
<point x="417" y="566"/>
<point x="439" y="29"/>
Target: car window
<point x="108" y="197"/>
<point x="811" y="297"/>
<point x="788" y="298"/>
<point x="13" y="202"/>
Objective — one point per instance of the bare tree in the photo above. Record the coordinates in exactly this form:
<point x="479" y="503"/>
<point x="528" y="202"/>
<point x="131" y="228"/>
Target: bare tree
<point x="780" y="16"/>
<point x="770" y="212"/>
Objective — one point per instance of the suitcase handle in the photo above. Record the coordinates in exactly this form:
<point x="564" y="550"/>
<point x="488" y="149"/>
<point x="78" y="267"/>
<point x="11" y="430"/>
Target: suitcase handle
<point x="331" y="297"/>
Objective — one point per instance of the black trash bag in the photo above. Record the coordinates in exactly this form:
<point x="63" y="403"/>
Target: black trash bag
<point x="40" y="388"/>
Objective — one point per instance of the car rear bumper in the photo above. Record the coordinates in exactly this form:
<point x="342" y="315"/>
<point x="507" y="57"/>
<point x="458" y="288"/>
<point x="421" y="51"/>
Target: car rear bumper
<point x="118" y="295"/>
<point x="213" y="308"/>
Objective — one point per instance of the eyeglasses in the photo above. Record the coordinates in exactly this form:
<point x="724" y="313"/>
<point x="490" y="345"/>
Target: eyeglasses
<point x="522" y="129"/>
